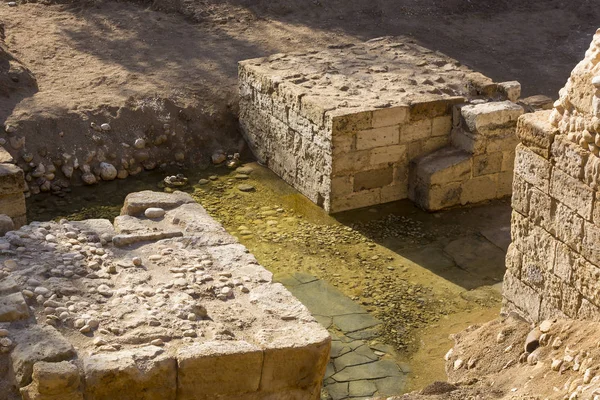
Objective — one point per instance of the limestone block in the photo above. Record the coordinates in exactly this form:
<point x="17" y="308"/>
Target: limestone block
<point x="136" y="203"/>
<point x="397" y="154"/>
<point x="441" y="126"/>
<point x="540" y="209"/>
<point x="467" y="141"/>
<point x="521" y="192"/>
<point x="390" y="116"/>
<point x="568" y="226"/>
<point x="342" y="185"/>
<point x="12" y="179"/>
<point x="351" y="162"/>
<point x="591" y="172"/>
<point x="36" y="343"/>
<point x="417" y="130"/>
<point x="144" y="373"/>
<point x="508" y="160"/>
<point x="506" y="142"/>
<point x="377" y="137"/>
<point x="479" y="189"/>
<point x="432" y="144"/>
<point x="548" y="309"/>
<point x="504" y="184"/>
<point x="436" y="197"/>
<point x="13" y="308"/>
<point x="532" y="273"/>
<point x="586" y="279"/>
<point x="371" y="179"/>
<point x="342" y="122"/>
<point x="564" y="262"/>
<point x="485" y="164"/>
<point x="13" y="205"/>
<point x="569" y="157"/>
<point x="342" y="144"/>
<point x="53" y="381"/>
<point x="314" y="107"/>
<point x="287" y="365"/>
<point x="571" y="300"/>
<point x="429" y="109"/>
<point x="526" y="299"/>
<point x="551" y="297"/>
<point x="514" y="260"/>
<point x="443" y="166"/>
<point x="532" y="168"/>
<point x="588" y="311"/>
<point x="539" y="246"/>
<point x="590" y="248"/>
<point x="535" y="132"/>
<point x="519" y="230"/>
<point x="394" y="192"/>
<point x="572" y="192"/>
<point x="489" y="119"/>
<point x="361" y="199"/>
<point x="212" y="369"/>
<point x="511" y="89"/>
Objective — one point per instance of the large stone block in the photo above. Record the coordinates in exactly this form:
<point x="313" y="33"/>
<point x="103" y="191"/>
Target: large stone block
<point x="390" y="116"/>
<point x="37" y="343"/>
<point x="571" y="300"/>
<point x="416" y="130"/>
<point x="371" y="179"/>
<point x="533" y="168"/>
<point x="568" y="226"/>
<point x="514" y="260"/>
<point x="213" y="369"/>
<point x="573" y="193"/>
<point x="535" y="132"/>
<point x="527" y="300"/>
<point x="564" y="262"/>
<point x="136" y="203"/>
<point x="540" y="209"/>
<point x="287" y="366"/>
<point x="377" y="137"/>
<point x="54" y="381"/>
<point x="443" y="166"/>
<point x="12" y="179"/>
<point x="590" y="246"/>
<point x="390" y="154"/>
<point x="478" y="189"/>
<point x="521" y="192"/>
<point x="13" y="205"/>
<point x="360" y="199"/>
<point x="486" y="164"/>
<point x="569" y="157"/>
<point x="491" y="118"/>
<point x="586" y="279"/>
<point x="145" y="373"/>
<point x="13" y="308"/>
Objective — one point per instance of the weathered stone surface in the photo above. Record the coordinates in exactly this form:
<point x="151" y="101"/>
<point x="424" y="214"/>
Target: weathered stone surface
<point x="137" y="203"/>
<point x="54" y="381"/>
<point x="141" y="374"/>
<point x="12" y="179"/>
<point x="535" y="132"/>
<point x="207" y="370"/>
<point x="37" y="343"/>
<point x="533" y="168"/>
<point x="13" y="308"/>
<point x="490" y="118"/>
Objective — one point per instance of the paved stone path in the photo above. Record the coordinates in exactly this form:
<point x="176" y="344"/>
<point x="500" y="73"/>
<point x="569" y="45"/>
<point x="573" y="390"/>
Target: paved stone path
<point x="359" y="368"/>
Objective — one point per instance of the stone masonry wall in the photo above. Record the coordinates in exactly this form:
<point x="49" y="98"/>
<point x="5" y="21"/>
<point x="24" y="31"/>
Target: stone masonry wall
<point x="553" y="263"/>
<point x="343" y="125"/>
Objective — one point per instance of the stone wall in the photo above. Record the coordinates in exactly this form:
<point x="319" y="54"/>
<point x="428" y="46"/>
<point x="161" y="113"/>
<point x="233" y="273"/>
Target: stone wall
<point x="553" y="263"/>
<point x="162" y="305"/>
<point x="12" y="197"/>
<point x="343" y="125"/>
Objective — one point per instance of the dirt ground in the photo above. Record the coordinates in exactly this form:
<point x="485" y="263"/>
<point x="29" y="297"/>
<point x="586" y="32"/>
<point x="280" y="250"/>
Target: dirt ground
<point x="90" y="54"/>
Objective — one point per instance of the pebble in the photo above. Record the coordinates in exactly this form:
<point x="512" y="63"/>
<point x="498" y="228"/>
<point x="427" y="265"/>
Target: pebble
<point x="154" y="213"/>
<point x="157" y="342"/>
<point x="139" y="143"/>
<point x="203" y="182"/>
<point x="105" y="127"/>
<point x="104" y="290"/>
<point x="458" y="364"/>
<point x="545" y="326"/>
<point x="3" y="333"/>
<point x="137" y="261"/>
<point x="246" y="188"/>
<point x="5" y="342"/>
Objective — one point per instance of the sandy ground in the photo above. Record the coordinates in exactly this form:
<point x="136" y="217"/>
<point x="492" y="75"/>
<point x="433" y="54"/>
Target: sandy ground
<point x="89" y="54"/>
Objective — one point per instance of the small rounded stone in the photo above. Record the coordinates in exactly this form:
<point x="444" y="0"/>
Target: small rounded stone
<point x="154" y="212"/>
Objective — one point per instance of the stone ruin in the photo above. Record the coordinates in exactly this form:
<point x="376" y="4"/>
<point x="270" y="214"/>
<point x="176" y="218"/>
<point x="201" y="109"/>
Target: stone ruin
<point x="553" y="263"/>
<point x="164" y="304"/>
<point x="359" y="125"/>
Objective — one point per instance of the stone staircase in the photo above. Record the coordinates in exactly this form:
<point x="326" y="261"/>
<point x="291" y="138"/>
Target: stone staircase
<point x="476" y="166"/>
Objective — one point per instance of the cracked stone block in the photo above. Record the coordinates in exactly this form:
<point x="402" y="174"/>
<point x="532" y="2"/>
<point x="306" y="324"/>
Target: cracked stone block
<point x="53" y="381"/>
<point x="137" y="203"/>
<point x="13" y="308"/>
<point x="37" y="343"/>
<point x="218" y="368"/>
<point x="138" y="374"/>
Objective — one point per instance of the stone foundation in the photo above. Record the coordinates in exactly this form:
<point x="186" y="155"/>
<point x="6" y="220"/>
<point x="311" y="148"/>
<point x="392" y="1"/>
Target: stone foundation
<point x="366" y="124"/>
<point x="553" y="264"/>
<point x="162" y="307"/>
